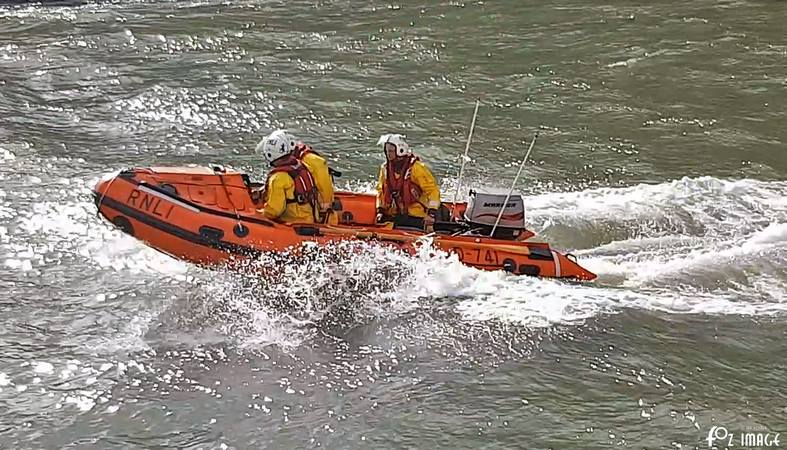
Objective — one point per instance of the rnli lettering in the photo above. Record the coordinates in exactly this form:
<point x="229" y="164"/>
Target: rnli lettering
<point x="132" y="198"/>
<point x="150" y="203"/>
<point x="147" y="201"/>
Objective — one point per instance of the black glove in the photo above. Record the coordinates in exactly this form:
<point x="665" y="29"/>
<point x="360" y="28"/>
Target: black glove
<point x="380" y="215"/>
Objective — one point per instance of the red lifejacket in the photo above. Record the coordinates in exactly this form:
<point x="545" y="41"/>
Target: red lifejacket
<point x="400" y="191"/>
<point x="302" y="150"/>
<point x="305" y="188"/>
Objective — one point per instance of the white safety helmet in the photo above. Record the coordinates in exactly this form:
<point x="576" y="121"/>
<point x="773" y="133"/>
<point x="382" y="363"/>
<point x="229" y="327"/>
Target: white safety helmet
<point x="275" y="145"/>
<point x="402" y="149"/>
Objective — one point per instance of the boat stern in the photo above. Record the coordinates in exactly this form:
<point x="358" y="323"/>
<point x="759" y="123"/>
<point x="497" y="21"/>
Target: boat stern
<point x="566" y="266"/>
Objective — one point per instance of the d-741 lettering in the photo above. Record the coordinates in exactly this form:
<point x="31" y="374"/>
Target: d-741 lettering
<point x="476" y="255"/>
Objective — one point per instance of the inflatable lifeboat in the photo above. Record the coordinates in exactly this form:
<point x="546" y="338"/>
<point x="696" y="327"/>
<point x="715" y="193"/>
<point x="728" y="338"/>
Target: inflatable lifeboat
<point x="209" y="216"/>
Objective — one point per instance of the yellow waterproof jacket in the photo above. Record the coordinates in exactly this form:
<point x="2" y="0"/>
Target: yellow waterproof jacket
<point x="318" y="167"/>
<point x="423" y="178"/>
<point x="280" y="201"/>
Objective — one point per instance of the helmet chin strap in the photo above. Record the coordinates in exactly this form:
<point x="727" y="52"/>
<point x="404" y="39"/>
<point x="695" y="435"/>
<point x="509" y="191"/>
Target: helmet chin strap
<point x="398" y="163"/>
<point x="280" y="160"/>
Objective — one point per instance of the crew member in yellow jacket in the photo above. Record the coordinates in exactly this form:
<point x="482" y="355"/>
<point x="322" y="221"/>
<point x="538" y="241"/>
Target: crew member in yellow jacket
<point x="407" y="192"/>
<point x="290" y="157"/>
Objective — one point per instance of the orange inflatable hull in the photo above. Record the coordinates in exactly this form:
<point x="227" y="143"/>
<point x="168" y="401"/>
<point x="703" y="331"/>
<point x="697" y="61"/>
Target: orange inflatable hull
<point x="208" y="216"/>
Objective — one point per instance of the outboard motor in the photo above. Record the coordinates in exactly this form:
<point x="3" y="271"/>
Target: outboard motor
<point x="483" y="209"/>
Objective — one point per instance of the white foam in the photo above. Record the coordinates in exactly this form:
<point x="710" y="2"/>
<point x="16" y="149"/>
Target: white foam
<point x="74" y="227"/>
<point x="717" y="222"/>
<point x="242" y="314"/>
<point x="83" y="402"/>
<point x="124" y="253"/>
<point x="496" y="295"/>
<point x="130" y="338"/>
<point x="650" y="245"/>
<point x="44" y="368"/>
<point x="13" y="263"/>
<point x="775" y="233"/>
<point x="4" y="380"/>
<point x="540" y="305"/>
<point x="543" y="303"/>
<point x="768" y="287"/>
<point x="537" y="302"/>
<point x="669" y="259"/>
<point x="248" y="306"/>
<point x="739" y="229"/>
<point x="269" y="329"/>
<point x="719" y="207"/>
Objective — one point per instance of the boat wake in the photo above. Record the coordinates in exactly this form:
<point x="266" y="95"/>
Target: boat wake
<point x="703" y="245"/>
<point x="691" y="246"/>
<point x="700" y="246"/>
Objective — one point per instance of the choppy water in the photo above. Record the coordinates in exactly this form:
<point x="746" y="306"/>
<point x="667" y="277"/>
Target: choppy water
<point x="661" y="161"/>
